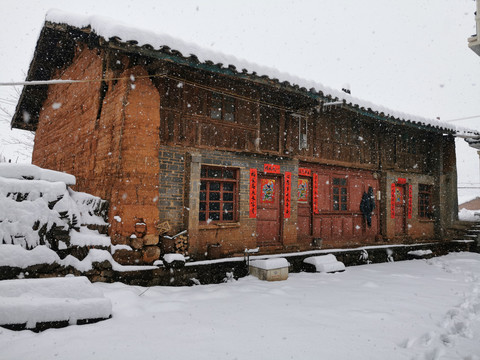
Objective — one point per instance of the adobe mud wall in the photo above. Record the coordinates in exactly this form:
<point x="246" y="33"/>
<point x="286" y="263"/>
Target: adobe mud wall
<point x="101" y="132"/>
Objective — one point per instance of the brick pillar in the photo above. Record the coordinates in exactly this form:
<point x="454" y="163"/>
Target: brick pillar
<point x="192" y="196"/>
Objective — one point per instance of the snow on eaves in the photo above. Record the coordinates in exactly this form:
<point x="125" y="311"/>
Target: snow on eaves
<point x="109" y="28"/>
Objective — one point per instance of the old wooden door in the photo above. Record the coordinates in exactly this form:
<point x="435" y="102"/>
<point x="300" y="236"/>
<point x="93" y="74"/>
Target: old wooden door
<point x="269" y="214"/>
<point x="304" y="208"/>
<point x="400" y="210"/>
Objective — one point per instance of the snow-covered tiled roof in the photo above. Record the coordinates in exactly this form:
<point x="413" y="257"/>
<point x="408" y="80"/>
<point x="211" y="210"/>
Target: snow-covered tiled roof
<point x="110" y="29"/>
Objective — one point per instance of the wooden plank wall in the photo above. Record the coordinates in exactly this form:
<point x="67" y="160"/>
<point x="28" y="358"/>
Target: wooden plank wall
<point x="338" y="137"/>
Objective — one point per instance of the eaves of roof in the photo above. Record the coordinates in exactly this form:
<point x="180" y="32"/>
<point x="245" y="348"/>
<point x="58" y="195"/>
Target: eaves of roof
<point x="32" y="98"/>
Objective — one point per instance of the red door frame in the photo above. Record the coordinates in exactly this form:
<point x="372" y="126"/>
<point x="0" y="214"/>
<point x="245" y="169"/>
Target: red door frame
<point x="306" y="206"/>
<point x="265" y="226"/>
<point x="400" y="210"/>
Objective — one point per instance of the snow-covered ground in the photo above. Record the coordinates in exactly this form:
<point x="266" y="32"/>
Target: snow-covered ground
<point x="420" y="309"/>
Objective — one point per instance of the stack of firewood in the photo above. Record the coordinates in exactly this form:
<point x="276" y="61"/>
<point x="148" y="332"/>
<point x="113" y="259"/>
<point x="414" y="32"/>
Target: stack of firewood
<point x="181" y="244"/>
<point x="175" y="244"/>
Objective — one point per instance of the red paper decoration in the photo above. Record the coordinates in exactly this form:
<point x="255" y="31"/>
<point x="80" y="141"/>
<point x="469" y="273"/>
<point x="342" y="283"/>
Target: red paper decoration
<point x="288" y="194"/>
<point x="409" y="211"/>
<point x="392" y="201"/>
<point x="304" y="172"/>
<point x="253" y="193"/>
<point x="267" y="191"/>
<point x="315" y="193"/>
<point x="271" y="169"/>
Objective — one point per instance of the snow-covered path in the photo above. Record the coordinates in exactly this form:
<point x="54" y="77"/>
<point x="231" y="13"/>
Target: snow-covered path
<point x="422" y="309"/>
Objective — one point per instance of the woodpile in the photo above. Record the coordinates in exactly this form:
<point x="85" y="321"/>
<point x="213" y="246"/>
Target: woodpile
<point x="150" y="254"/>
<point x="181" y="245"/>
<point x="177" y="244"/>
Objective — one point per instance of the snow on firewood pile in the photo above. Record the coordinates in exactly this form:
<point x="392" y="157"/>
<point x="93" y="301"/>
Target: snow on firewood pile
<point x="17" y="257"/>
<point x="38" y="209"/>
<point x="33" y="172"/>
<point x="43" y="221"/>
<point x="92" y="209"/>
<point x="27" y="303"/>
<point x="169" y="258"/>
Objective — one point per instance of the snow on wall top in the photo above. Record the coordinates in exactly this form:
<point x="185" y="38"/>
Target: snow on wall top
<point x="32" y="172"/>
<point x="56" y="299"/>
<point x="109" y="28"/>
<point x="270" y="264"/>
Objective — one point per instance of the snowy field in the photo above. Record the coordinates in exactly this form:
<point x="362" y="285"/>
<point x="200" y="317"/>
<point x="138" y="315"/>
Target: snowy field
<point x="421" y="309"/>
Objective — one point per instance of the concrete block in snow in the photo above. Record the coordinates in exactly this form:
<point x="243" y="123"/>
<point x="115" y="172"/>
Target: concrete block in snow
<point x="270" y="269"/>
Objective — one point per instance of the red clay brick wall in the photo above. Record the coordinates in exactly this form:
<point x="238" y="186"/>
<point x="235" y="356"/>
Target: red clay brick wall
<point x="114" y="157"/>
<point x="135" y="194"/>
<point x="66" y="124"/>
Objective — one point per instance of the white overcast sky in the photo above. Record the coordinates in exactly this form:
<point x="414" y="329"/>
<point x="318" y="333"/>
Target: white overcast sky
<point x="408" y="55"/>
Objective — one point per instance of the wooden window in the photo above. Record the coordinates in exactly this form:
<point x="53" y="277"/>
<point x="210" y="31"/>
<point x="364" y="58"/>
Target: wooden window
<point x="228" y="108"/>
<point x="222" y="107"/>
<point x="412" y="146"/>
<point x="302" y="131"/>
<point x="218" y="194"/>
<point x="269" y="128"/>
<point x="339" y="194"/>
<point x="408" y="144"/>
<point x="216" y="106"/>
<point x="425" y="208"/>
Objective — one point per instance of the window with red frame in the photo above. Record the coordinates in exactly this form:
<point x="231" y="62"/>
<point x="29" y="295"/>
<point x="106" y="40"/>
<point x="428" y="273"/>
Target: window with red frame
<point x="340" y="194"/>
<point x="425" y="209"/>
<point x="218" y="194"/>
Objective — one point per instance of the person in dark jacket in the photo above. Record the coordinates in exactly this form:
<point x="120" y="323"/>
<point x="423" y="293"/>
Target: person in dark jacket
<point x="367" y="205"/>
